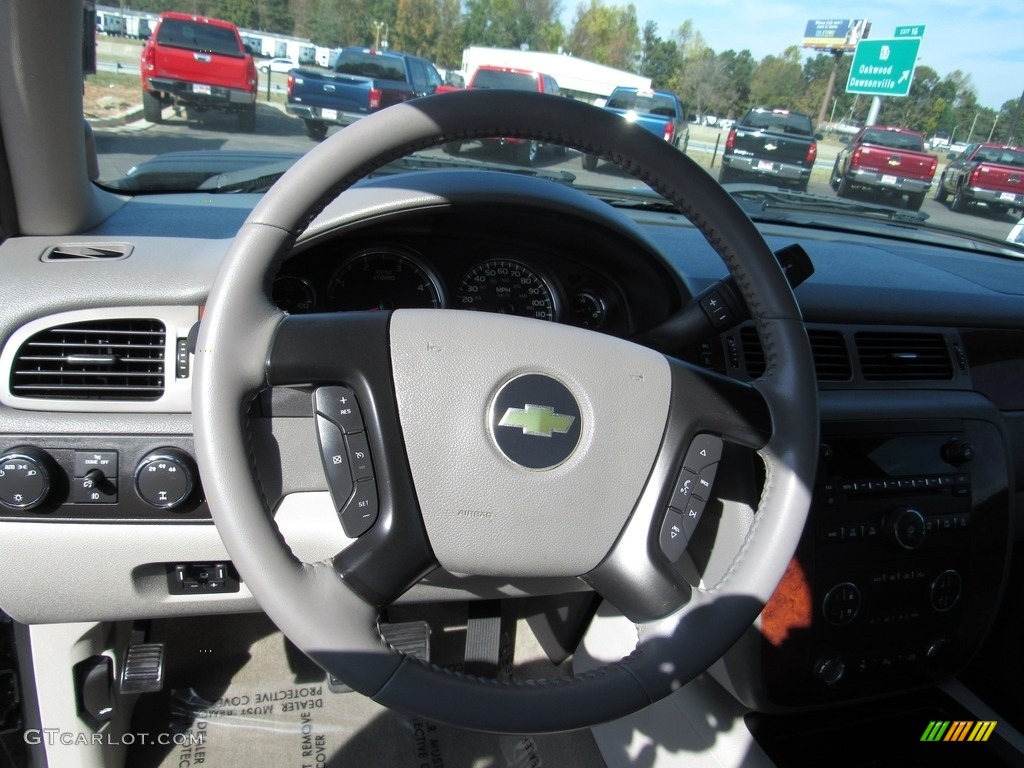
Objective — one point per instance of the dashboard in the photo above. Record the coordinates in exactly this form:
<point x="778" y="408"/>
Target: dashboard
<point x="905" y="558"/>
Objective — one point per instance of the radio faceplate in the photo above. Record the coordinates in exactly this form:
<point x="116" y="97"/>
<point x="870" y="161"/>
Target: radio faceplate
<point x="898" y="575"/>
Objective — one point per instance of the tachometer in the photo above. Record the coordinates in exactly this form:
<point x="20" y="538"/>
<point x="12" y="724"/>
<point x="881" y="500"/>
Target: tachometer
<point x="384" y="278"/>
<point x="507" y="287"/>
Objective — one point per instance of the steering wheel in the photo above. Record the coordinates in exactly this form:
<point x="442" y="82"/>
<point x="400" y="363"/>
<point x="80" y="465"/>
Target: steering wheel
<point x="503" y="446"/>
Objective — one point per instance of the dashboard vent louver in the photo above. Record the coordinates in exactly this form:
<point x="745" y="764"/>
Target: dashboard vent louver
<point x="88" y="252"/>
<point x="116" y="359"/>
<point x="831" y="358"/>
<point x="895" y="356"/>
<point x="753" y="355"/>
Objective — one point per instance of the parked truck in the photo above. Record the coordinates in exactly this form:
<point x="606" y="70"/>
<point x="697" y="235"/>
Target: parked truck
<point x="487" y="77"/>
<point x="660" y="112"/>
<point x="201" y="64"/>
<point x="776" y="146"/>
<point x="992" y="174"/>
<point x="361" y="81"/>
<point x="885" y="161"/>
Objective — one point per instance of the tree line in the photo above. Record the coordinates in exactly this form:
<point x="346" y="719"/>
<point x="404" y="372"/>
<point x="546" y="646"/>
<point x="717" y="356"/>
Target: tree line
<point x="723" y="84"/>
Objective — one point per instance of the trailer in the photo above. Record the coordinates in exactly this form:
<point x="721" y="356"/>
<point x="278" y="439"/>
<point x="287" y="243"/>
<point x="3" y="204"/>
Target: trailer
<point x="579" y="78"/>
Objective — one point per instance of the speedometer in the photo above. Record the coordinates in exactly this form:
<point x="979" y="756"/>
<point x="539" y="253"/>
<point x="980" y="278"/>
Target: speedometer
<point x="381" y="279"/>
<point x="507" y="287"/>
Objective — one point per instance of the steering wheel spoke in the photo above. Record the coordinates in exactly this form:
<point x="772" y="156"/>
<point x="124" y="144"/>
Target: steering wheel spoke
<point x="343" y="359"/>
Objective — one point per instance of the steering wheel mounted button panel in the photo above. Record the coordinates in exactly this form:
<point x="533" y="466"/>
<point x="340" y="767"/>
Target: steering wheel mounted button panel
<point x="704" y="451"/>
<point x="334" y="455"/>
<point x="340" y="406"/>
<point x="360" y="513"/>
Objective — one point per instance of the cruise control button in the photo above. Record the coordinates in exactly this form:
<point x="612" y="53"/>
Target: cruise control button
<point x="339" y="405"/>
<point x="704" y="450"/>
<point x="359" y="456"/>
<point x="334" y="455"/>
<point x="361" y="512"/>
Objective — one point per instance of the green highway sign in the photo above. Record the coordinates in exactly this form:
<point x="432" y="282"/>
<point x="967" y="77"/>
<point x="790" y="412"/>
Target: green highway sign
<point x="883" y="67"/>
<point x="911" y="30"/>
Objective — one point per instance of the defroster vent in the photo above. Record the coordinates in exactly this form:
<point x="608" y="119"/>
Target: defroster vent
<point x="115" y="359"/>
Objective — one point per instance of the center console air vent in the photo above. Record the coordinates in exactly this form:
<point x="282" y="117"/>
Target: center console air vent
<point x="111" y="359"/>
<point x="896" y="356"/>
<point x="831" y="358"/>
<point x="88" y="252"/>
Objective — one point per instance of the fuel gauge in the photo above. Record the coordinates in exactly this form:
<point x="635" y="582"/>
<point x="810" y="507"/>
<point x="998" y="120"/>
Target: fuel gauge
<point x="590" y="309"/>
<point x="293" y="294"/>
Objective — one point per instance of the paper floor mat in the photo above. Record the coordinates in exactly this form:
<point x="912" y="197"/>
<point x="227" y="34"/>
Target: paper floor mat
<point x="308" y="726"/>
<point x="266" y="711"/>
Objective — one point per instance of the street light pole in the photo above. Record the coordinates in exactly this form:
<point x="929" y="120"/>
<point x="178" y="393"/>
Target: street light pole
<point x="994" y="122"/>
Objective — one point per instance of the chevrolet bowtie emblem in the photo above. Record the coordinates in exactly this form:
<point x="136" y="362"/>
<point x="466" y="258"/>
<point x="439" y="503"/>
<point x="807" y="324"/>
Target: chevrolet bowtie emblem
<point x="539" y="420"/>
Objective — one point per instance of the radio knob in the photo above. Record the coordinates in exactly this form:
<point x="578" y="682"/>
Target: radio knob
<point x="907" y="527"/>
<point x="830" y="670"/>
<point x="957" y="452"/>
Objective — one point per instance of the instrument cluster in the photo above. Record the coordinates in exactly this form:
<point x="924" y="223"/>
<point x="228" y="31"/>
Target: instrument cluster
<point x="351" y="275"/>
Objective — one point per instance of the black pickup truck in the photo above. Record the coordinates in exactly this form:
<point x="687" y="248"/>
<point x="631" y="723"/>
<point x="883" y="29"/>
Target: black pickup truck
<point x="771" y="145"/>
<point x="360" y="82"/>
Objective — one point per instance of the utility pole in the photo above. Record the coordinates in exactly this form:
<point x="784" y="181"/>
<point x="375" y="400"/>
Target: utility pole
<point x="837" y="56"/>
<point x="1016" y="118"/>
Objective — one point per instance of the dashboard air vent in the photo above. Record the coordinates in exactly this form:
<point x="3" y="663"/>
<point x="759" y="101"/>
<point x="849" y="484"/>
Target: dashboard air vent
<point x="116" y="359"/>
<point x="753" y="355"/>
<point x="88" y="252"/>
<point x="886" y="356"/>
<point x="831" y="359"/>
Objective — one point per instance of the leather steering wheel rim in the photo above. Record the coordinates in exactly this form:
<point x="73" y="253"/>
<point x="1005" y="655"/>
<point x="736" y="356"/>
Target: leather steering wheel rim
<point x="335" y="623"/>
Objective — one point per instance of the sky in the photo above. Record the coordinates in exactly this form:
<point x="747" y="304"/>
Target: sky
<point x="984" y="38"/>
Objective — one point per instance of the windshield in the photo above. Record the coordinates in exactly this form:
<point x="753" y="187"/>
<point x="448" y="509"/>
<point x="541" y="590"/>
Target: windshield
<point x="224" y="103"/>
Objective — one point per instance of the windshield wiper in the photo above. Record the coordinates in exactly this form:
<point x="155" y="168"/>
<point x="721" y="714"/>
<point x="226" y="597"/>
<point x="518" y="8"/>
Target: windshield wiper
<point x="757" y="199"/>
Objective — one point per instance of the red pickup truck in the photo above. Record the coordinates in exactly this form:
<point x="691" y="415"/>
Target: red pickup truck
<point x="200" y="63"/>
<point x="885" y="161"/>
<point x="992" y="174"/>
<point x="510" y="79"/>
